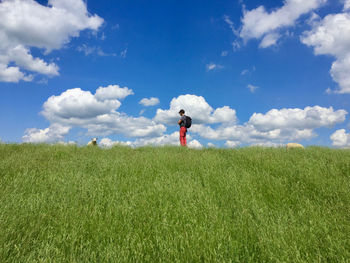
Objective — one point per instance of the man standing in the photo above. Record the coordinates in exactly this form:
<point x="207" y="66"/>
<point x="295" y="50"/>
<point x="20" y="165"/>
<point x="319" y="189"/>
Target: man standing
<point x="183" y="129"/>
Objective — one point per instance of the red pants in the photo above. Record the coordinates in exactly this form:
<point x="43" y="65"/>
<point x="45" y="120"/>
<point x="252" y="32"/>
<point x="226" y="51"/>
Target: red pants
<point x="183" y="131"/>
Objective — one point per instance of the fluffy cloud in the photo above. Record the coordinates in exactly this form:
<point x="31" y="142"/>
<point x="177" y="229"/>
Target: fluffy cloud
<point x="248" y="134"/>
<point x="341" y="139"/>
<point x="331" y="36"/>
<point x="108" y="143"/>
<point x="97" y="113"/>
<point x="260" y="24"/>
<point x="77" y="104"/>
<point x="165" y="139"/>
<point x="113" y="92"/>
<point x="149" y="102"/>
<point x="12" y="74"/>
<point x="211" y="145"/>
<point x="267" y="144"/>
<point x="276" y="126"/>
<point x="232" y="144"/>
<point x="346" y="5"/>
<point x="26" y="24"/>
<point x="25" y="60"/>
<point x="52" y="134"/>
<point x="199" y="110"/>
<point x="31" y="24"/>
<point x="308" y="118"/>
<point x="119" y="123"/>
<point x="340" y="74"/>
<point x="194" y="144"/>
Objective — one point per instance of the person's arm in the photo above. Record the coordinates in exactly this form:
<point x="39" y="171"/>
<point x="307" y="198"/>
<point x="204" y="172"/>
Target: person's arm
<point x="182" y="120"/>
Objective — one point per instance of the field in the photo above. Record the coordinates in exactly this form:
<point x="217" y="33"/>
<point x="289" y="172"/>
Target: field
<point x="170" y="204"/>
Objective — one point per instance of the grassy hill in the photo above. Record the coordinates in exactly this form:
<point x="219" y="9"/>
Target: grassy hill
<point x="169" y="204"/>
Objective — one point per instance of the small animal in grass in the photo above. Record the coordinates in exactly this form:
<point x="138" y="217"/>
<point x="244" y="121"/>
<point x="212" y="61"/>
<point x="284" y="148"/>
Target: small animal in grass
<point x="93" y="142"/>
<point x="294" y="146"/>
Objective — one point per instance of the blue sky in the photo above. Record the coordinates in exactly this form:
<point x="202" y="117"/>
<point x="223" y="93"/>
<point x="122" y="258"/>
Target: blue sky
<point x="284" y="61"/>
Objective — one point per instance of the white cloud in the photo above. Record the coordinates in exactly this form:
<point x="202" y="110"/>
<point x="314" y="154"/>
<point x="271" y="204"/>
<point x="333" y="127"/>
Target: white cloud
<point x="165" y="139"/>
<point x="112" y="92"/>
<point x="276" y="126"/>
<point x="199" y="110"/>
<point x="149" y="102"/>
<point x="341" y="139"/>
<point x="340" y="73"/>
<point x="308" y="118"/>
<point x="211" y="145"/>
<point x="97" y="113"/>
<point x="25" y="60"/>
<point x="89" y="50"/>
<point x="313" y="19"/>
<point x="52" y="134"/>
<point x="231" y="25"/>
<point x="252" y="88"/>
<point x="12" y="74"/>
<point x="269" y="40"/>
<point x="77" y="104"/>
<point x="331" y="36"/>
<point x="248" y="134"/>
<point x="108" y="143"/>
<point x="232" y="144"/>
<point x="212" y="66"/>
<point x="267" y="144"/>
<point x="346" y="5"/>
<point x="50" y="27"/>
<point x="26" y="24"/>
<point x="119" y="123"/>
<point x="260" y="24"/>
<point x="194" y="144"/>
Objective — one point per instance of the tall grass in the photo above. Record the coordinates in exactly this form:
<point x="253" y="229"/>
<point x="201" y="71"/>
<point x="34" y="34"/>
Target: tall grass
<point x="170" y="204"/>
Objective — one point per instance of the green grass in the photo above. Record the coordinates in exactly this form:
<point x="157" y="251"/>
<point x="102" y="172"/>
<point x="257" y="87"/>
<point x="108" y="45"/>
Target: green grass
<point x="170" y="204"/>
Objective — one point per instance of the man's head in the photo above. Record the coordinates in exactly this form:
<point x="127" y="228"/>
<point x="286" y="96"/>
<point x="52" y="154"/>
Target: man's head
<point x="181" y="112"/>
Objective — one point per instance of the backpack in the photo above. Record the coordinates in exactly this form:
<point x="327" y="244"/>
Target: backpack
<point x="188" y="122"/>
